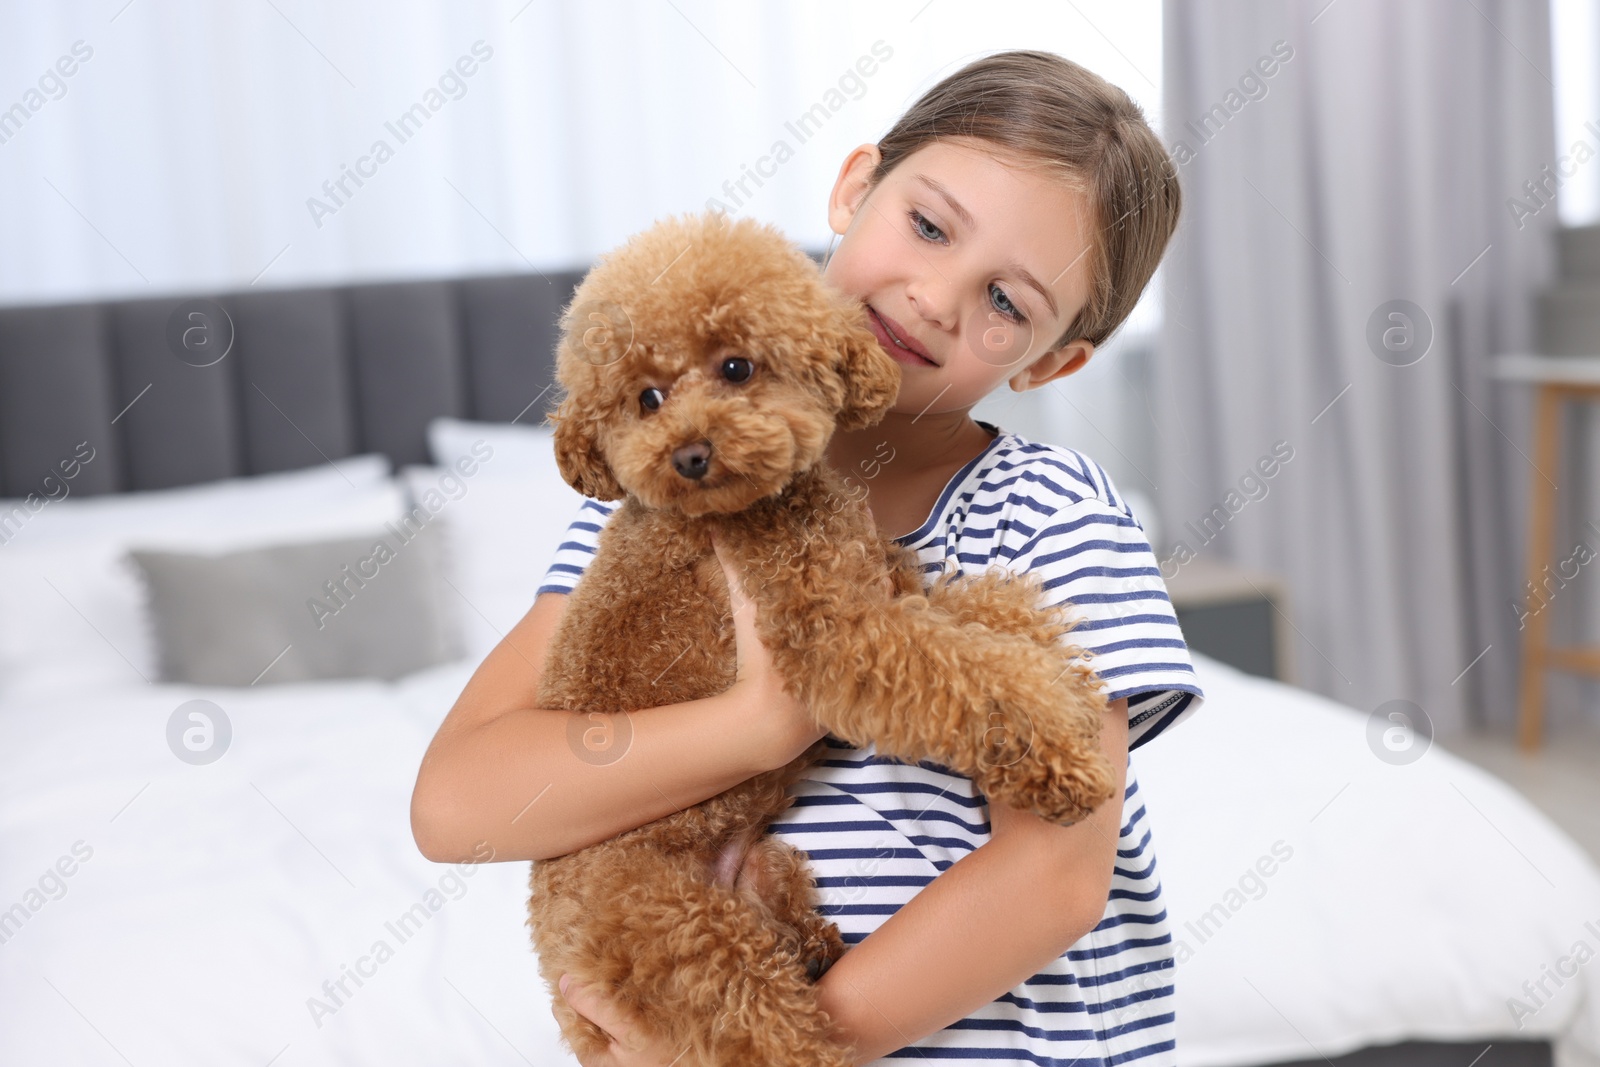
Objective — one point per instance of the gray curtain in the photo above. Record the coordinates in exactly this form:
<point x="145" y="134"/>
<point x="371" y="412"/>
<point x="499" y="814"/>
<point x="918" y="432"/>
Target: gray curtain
<point x="1372" y="165"/>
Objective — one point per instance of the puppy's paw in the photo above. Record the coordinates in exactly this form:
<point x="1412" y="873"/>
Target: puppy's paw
<point x="820" y="947"/>
<point x="1040" y="750"/>
<point x="1060" y="790"/>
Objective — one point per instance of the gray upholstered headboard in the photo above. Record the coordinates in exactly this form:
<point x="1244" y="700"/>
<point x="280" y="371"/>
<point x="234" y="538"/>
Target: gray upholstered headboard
<point x="311" y="374"/>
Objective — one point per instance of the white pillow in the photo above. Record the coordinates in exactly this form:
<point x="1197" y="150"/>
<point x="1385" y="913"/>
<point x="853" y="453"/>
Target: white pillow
<point x="74" y="615"/>
<point x="501" y="534"/>
<point x="231" y="503"/>
<point x="503" y="448"/>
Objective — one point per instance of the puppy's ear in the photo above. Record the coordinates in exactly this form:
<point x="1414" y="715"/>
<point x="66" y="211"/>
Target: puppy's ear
<point x="870" y="377"/>
<point x="578" y="456"/>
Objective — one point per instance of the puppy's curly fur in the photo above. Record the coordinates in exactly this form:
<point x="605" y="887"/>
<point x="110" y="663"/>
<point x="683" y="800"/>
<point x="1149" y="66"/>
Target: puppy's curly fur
<point x="699" y="924"/>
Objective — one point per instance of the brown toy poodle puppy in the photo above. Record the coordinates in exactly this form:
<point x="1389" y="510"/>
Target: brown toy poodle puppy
<point x="706" y="365"/>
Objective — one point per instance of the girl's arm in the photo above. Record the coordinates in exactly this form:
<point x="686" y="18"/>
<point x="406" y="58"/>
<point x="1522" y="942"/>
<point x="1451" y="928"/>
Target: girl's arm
<point x="970" y="935"/>
<point x="959" y="944"/>
<point x="501" y="771"/>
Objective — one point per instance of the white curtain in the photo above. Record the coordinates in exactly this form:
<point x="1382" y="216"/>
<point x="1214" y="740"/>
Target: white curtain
<point x="1373" y="164"/>
<point x="189" y="151"/>
<point x="190" y="146"/>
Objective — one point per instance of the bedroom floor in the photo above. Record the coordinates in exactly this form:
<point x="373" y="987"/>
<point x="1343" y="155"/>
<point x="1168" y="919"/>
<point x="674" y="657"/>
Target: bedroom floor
<point x="1562" y="779"/>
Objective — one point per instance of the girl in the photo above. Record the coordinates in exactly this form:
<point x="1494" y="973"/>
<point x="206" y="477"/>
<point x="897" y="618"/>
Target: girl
<point x="1000" y="231"/>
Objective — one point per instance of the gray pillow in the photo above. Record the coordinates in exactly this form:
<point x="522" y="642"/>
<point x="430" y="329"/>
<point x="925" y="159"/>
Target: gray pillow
<point x="356" y="607"/>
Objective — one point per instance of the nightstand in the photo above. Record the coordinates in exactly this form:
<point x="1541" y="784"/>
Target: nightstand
<point x="1234" y="615"/>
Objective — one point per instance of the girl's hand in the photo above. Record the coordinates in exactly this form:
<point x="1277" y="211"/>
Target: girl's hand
<point x="789" y="719"/>
<point x="628" y="1048"/>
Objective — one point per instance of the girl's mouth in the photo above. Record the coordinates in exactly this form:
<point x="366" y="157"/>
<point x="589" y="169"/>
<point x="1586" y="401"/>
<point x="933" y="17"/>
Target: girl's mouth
<point x="902" y="351"/>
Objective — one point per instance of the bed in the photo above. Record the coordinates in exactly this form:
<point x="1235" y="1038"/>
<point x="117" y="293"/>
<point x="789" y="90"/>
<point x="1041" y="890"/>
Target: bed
<point x="167" y="902"/>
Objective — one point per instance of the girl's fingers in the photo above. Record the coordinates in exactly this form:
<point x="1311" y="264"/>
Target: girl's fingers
<point x="628" y="1047"/>
<point x="599" y="1059"/>
<point x="598" y="1010"/>
<point x="735" y="585"/>
<point x="743" y="615"/>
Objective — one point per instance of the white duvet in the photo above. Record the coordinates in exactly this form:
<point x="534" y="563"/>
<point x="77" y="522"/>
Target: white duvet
<point x="1415" y="901"/>
<point x="219" y="899"/>
<point x="271" y="908"/>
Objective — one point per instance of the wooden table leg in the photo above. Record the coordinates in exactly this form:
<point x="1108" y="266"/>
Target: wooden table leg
<point x="1541" y="532"/>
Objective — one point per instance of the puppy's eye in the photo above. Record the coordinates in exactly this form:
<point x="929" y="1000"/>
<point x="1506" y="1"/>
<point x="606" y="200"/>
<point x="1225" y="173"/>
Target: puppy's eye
<point x="651" y="398"/>
<point x="737" y="368"/>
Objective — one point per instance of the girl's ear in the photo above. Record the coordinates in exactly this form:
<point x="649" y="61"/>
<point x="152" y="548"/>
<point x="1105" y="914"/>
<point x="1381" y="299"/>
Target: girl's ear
<point x="1068" y="359"/>
<point x="578" y="455"/>
<point x="871" y="378"/>
<point x="852" y="185"/>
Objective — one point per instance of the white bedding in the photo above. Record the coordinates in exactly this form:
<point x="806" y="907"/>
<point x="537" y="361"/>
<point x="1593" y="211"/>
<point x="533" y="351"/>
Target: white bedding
<point x="216" y="900"/>
<point x="1415" y="903"/>
<point x="219" y="898"/>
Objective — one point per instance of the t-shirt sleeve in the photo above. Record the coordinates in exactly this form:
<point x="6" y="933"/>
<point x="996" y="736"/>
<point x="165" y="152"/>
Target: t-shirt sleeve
<point x="1095" y="557"/>
<point x="577" y="546"/>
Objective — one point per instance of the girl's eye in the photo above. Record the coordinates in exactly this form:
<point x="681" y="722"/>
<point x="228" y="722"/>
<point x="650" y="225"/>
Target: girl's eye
<point x="1002" y="303"/>
<point x="997" y="296"/>
<point x="925" y="229"/>
<point x="651" y="398"/>
<point x="737" y="368"/>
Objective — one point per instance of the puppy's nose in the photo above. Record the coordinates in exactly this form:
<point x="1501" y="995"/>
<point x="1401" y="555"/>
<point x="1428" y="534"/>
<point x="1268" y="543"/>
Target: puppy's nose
<point x="692" y="460"/>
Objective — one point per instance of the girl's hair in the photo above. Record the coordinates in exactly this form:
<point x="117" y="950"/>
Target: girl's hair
<point x="1046" y="109"/>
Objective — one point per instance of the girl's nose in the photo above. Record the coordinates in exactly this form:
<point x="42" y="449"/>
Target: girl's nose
<point x="934" y="298"/>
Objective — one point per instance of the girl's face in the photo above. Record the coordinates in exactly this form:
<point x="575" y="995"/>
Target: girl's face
<point x="970" y="268"/>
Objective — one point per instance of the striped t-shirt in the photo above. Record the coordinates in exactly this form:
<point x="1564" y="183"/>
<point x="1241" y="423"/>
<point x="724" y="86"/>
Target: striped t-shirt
<point x="878" y="829"/>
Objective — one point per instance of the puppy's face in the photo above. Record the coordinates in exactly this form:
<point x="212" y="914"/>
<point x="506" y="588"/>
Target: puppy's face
<point x="706" y="363"/>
